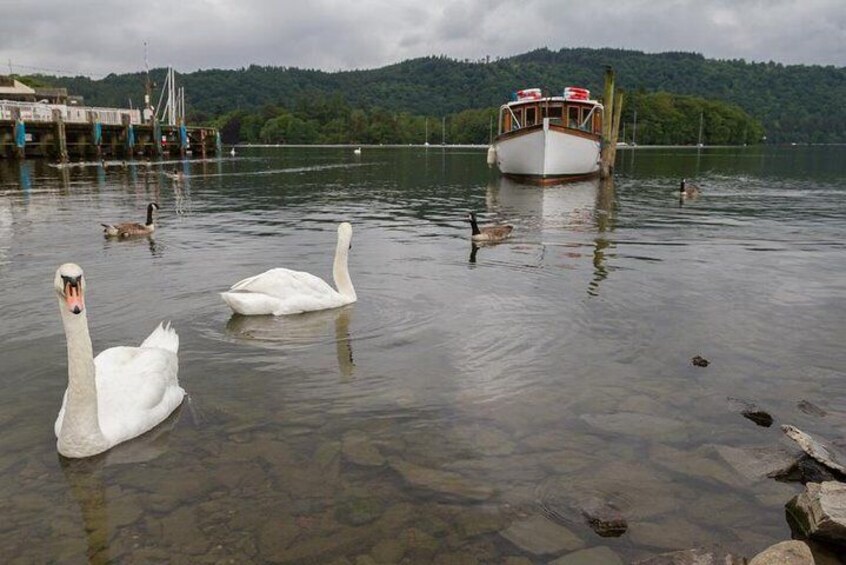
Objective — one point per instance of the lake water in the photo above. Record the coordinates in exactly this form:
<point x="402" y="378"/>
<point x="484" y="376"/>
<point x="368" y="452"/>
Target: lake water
<point x="472" y="400"/>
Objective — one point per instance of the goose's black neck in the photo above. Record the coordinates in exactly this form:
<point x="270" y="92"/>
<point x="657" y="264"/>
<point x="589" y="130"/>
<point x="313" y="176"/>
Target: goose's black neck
<point x="473" y="225"/>
<point x="150" y="214"/>
<point x="681" y="186"/>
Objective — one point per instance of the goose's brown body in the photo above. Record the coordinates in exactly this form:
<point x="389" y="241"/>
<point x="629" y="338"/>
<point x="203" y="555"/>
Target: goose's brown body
<point x="488" y="233"/>
<point x="129" y="229"/>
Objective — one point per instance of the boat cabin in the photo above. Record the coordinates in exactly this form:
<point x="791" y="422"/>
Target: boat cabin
<point x="574" y="110"/>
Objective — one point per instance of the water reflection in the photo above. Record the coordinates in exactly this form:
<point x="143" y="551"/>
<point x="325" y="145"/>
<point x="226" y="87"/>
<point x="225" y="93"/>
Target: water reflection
<point x="25" y="177"/>
<point x="568" y="205"/>
<point x="87" y="483"/>
<point x="308" y="329"/>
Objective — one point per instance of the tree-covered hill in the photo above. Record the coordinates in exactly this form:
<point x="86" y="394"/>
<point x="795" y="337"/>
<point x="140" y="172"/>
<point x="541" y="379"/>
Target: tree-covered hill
<point x="793" y="103"/>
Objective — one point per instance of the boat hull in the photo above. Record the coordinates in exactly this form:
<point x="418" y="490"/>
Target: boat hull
<point x="547" y="152"/>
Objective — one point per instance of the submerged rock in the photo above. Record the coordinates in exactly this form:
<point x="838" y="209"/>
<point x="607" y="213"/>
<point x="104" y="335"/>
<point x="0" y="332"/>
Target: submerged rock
<point x="810" y="408"/>
<point x="751" y="411"/>
<point x="760" y="417"/>
<point x="359" y="511"/>
<point x="694" y="557"/>
<point x="540" y="536"/>
<point x="820" y="511"/>
<point x="444" y="482"/>
<point x="820" y="450"/>
<point x="785" y="553"/>
<point x="605" y="520"/>
<point x="594" y="556"/>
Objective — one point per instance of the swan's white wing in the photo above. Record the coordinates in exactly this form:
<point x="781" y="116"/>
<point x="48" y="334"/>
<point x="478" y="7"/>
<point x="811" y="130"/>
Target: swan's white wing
<point x="137" y="388"/>
<point x="282" y="291"/>
<point x="282" y="283"/>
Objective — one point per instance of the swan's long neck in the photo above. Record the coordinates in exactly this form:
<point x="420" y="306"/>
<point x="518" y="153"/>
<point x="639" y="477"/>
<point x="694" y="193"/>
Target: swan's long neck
<point x="340" y="271"/>
<point x="80" y="434"/>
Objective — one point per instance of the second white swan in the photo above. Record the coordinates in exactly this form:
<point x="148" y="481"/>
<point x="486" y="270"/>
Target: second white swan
<point x="283" y="291"/>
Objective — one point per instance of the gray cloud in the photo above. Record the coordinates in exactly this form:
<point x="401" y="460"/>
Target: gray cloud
<point x="96" y="37"/>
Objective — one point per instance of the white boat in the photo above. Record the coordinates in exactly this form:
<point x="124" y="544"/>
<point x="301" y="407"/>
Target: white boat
<point x="548" y="138"/>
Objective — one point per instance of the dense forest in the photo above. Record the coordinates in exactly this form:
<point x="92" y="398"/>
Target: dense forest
<point x="740" y="102"/>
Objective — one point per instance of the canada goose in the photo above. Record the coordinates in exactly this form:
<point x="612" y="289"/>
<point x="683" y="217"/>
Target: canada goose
<point x="283" y="291"/>
<point x="118" y="395"/>
<point x="128" y="229"/>
<point x="488" y="233"/>
<point x="688" y="191"/>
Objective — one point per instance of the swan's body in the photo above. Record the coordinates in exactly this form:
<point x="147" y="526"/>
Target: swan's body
<point x="687" y="191"/>
<point x="123" y="392"/>
<point x="487" y="233"/>
<point x="232" y="152"/>
<point x="128" y="229"/>
<point x="283" y="291"/>
<point x="357" y="150"/>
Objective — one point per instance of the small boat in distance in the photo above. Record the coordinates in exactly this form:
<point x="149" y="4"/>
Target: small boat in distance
<point x="548" y="138"/>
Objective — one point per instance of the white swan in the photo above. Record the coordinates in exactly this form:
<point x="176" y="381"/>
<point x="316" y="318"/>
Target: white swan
<point x="120" y="394"/>
<point x="283" y="291"/>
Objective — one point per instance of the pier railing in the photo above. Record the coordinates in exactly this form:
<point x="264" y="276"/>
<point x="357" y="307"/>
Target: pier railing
<point x="43" y="113"/>
<point x="62" y="132"/>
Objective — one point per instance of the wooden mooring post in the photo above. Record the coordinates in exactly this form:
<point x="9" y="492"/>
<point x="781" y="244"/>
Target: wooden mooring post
<point x="613" y="109"/>
<point x="61" y="137"/>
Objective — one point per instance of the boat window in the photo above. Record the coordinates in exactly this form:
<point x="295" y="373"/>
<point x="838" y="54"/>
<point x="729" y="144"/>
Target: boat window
<point x="518" y="115"/>
<point x="573" y="116"/>
<point x="531" y="115"/>
<point x="555" y="113"/>
<point x="586" y="121"/>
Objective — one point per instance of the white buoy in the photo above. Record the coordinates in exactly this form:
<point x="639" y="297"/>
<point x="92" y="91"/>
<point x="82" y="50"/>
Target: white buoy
<point x="491" y="156"/>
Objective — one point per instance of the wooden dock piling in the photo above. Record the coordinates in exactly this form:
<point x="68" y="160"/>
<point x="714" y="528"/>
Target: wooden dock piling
<point x="613" y="107"/>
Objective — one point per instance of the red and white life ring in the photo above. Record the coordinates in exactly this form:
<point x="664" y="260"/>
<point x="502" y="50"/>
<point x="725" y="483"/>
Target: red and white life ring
<point x="576" y="93"/>
<point x="529" y="94"/>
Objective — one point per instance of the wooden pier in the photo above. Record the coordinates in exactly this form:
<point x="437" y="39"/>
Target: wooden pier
<point x="63" y="133"/>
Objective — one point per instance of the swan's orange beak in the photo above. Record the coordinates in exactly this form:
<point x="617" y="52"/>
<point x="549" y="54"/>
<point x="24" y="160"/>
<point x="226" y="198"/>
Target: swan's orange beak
<point x="73" y="295"/>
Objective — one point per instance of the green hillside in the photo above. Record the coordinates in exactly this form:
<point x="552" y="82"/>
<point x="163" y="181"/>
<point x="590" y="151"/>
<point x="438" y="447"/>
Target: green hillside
<point x="792" y="103"/>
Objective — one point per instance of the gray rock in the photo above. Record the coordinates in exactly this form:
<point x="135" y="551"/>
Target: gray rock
<point x="820" y="450"/>
<point x="785" y="553"/>
<point x="540" y="536"/>
<point x="805" y="470"/>
<point x="757" y="463"/>
<point x="820" y="511"/>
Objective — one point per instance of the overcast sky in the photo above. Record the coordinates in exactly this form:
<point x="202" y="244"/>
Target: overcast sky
<point x="97" y="37"/>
